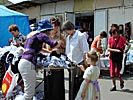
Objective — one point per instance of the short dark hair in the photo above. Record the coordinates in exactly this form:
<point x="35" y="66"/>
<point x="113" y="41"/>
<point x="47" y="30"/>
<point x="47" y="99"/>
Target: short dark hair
<point x="115" y="25"/>
<point x="68" y="26"/>
<point x="115" y="31"/>
<point x="13" y="27"/>
<point x="103" y="34"/>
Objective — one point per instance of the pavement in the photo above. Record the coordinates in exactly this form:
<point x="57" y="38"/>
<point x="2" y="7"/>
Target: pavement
<point x="121" y="94"/>
<point x="105" y="84"/>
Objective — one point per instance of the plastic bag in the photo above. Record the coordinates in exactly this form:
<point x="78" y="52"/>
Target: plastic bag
<point x="9" y="82"/>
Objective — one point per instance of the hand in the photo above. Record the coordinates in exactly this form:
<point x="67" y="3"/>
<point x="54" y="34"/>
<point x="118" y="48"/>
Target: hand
<point x="83" y="95"/>
<point x="60" y="42"/>
<point x="126" y="51"/>
<point x="10" y="40"/>
<point x="118" y="50"/>
<point x="82" y="67"/>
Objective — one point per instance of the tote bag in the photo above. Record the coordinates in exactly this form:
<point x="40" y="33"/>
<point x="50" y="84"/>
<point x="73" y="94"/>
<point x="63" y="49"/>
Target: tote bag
<point x="9" y="82"/>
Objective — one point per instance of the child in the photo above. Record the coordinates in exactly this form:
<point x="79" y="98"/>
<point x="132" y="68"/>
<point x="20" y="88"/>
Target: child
<point x="89" y="89"/>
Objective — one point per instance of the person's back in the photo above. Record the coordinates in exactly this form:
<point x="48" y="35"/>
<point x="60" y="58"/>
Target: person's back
<point x="94" y="43"/>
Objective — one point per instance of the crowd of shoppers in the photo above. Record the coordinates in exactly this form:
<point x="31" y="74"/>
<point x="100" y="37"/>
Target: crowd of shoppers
<point x="49" y="38"/>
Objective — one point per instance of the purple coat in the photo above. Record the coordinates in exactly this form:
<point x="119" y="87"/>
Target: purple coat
<point x="34" y="44"/>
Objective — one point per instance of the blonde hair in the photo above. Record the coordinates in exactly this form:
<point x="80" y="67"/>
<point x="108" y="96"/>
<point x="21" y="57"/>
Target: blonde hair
<point x="93" y="55"/>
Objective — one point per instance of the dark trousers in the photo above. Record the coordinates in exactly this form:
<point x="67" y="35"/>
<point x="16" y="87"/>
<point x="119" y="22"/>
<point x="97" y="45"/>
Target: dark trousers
<point x="78" y="78"/>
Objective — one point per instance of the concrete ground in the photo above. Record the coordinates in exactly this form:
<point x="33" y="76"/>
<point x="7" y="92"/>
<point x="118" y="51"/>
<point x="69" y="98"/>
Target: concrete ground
<point x="105" y="84"/>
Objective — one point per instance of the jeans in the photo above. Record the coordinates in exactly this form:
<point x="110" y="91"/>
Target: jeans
<point x="28" y="73"/>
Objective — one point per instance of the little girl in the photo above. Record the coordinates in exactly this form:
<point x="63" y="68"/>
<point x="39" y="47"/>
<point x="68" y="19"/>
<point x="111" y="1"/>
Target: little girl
<point x="89" y="89"/>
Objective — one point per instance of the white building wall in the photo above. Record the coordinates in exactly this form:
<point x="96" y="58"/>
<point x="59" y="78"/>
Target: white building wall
<point x="115" y="16"/>
<point x="32" y="12"/>
<point x="48" y="9"/>
<point x="99" y="4"/>
<point x="121" y="15"/>
<point x="65" y="6"/>
<point x="56" y="9"/>
<point x="128" y="2"/>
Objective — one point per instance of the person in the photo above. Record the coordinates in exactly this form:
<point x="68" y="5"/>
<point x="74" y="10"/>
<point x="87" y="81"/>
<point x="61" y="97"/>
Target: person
<point x="116" y="46"/>
<point x="55" y="90"/>
<point x="28" y="60"/>
<point x="89" y="89"/>
<point x="18" y="38"/>
<point x="76" y="49"/>
<point x="55" y="35"/>
<point x="96" y="44"/>
<point x="113" y="27"/>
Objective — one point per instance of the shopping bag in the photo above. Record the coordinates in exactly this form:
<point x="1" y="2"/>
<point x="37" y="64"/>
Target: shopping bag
<point x="123" y="64"/>
<point x="9" y="82"/>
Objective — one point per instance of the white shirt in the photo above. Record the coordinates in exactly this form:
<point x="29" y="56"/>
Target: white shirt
<point x="76" y="47"/>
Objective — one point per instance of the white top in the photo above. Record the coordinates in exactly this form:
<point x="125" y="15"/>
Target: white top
<point x="76" y="47"/>
<point x="91" y="73"/>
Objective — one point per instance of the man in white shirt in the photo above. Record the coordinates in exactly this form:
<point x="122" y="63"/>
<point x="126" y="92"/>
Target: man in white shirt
<point x="76" y="49"/>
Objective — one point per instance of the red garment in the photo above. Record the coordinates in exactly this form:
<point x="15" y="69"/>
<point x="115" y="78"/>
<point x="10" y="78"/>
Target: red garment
<point x="116" y="67"/>
<point x="94" y="44"/>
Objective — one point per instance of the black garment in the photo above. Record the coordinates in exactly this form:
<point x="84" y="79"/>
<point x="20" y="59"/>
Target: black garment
<point x="54" y="88"/>
<point x="2" y="71"/>
<point x="3" y="67"/>
<point x="78" y="78"/>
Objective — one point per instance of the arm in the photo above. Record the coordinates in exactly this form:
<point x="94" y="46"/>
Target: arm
<point x="128" y="46"/>
<point x="85" y="60"/>
<point x="99" y="44"/>
<point x="109" y="47"/>
<point x="44" y="38"/>
<point x="113" y="50"/>
<point x="84" y="48"/>
<point x="64" y="41"/>
<point x="45" y="48"/>
<point x="85" y="87"/>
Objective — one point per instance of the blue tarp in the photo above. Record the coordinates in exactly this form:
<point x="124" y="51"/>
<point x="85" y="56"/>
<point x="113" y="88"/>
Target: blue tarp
<point x="9" y="17"/>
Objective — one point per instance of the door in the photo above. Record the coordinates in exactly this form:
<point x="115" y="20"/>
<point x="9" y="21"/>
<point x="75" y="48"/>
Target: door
<point x="69" y="16"/>
<point x="100" y="24"/>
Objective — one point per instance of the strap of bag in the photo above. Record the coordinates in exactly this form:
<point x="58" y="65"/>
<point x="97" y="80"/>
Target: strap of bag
<point x="117" y="42"/>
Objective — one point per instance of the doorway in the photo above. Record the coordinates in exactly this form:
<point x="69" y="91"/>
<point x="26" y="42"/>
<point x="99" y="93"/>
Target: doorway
<point x="85" y="23"/>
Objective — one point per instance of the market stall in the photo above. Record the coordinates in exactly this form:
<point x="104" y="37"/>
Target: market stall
<point x="9" y="17"/>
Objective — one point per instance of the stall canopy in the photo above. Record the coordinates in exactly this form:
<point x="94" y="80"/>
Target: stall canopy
<point x="9" y="17"/>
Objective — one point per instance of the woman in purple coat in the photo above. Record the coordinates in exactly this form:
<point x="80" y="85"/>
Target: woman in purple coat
<point x="27" y="63"/>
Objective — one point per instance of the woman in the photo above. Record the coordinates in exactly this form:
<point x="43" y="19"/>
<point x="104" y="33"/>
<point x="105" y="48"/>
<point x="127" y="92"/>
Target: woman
<point x="96" y="44"/>
<point x="116" y="45"/>
<point x="55" y="90"/>
<point x="27" y="63"/>
<point x="18" y="38"/>
<point x="76" y="49"/>
<point x="55" y="35"/>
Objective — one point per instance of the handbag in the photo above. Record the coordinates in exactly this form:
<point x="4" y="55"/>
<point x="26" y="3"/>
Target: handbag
<point x="9" y="82"/>
<point x="116" y="56"/>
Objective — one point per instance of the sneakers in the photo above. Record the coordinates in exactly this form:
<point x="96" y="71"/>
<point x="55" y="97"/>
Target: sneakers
<point x="113" y="88"/>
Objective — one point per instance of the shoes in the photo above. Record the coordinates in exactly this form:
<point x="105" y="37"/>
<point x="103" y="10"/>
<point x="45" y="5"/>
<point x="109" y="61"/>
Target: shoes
<point x="113" y="88"/>
<point x="122" y="84"/>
